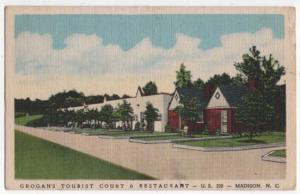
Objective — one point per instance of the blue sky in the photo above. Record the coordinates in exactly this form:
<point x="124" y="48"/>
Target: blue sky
<point x="128" y="30"/>
<point x="99" y="54"/>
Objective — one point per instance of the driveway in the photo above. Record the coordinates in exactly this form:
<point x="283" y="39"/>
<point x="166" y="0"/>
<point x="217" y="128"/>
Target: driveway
<point x="162" y="161"/>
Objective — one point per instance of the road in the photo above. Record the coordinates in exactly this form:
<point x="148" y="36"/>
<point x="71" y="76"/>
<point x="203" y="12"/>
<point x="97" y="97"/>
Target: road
<point x="162" y="161"/>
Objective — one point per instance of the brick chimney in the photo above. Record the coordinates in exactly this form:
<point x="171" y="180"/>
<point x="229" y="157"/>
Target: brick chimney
<point x="209" y="89"/>
<point x="252" y="83"/>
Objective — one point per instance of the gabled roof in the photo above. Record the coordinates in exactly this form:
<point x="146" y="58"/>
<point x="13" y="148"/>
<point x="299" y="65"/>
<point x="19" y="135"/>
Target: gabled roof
<point x="233" y="94"/>
<point x="194" y="92"/>
<point x="139" y="90"/>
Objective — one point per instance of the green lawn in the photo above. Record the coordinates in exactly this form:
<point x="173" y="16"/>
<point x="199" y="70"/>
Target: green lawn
<point x="27" y="119"/>
<point x="135" y="134"/>
<point x="279" y="153"/>
<point x="40" y="159"/>
<point x="243" y="141"/>
<point x="162" y="137"/>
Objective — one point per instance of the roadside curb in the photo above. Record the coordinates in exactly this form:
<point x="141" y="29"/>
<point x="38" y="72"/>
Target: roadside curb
<point x="267" y="157"/>
<point x="136" y="140"/>
<point x="111" y="137"/>
<point x="224" y="149"/>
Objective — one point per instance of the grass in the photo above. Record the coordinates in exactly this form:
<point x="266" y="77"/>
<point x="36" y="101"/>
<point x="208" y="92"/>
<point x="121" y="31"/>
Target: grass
<point x="135" y="134"/>
<point x="275" y="137"/>
<point x="40" y="159"/>
<point x="279" y="153"/>
<point x="162" y="137"/>
<point x="27" y="119"/>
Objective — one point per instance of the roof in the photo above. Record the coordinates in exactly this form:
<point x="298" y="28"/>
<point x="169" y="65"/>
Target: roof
<point x="233" y="94"/>
<point x="194" y="92"/>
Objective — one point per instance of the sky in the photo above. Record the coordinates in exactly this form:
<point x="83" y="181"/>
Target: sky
<point x="98" y="54"/>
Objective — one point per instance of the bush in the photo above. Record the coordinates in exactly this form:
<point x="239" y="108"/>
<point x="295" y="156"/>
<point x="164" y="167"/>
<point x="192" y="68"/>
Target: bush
<point x="168" y="129"/>
<point x="218" y="131"/>
<point x="19" y="114"/>
<point x="205" y="132"/>
<point x="137" y="126"/>
<point x="41" y="122"/>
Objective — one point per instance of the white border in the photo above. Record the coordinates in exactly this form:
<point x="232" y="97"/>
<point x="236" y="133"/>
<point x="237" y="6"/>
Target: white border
<point x="4" y="3"/>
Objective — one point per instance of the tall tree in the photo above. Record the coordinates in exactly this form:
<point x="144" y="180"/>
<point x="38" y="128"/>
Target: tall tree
<point x="189" y="109"/>
<point x="151" y="115"/>
<point x="238" y="80"/>
<point x="254" y="112"/>
<point x="267" y="72"/>
<point x="124" y="112"/>
<point x="183" y="78"/>
<point x="199" y="83"/>
<point x="150" y="88"/>
<point x="107" y="114"/>
<point x="217" y="79"/>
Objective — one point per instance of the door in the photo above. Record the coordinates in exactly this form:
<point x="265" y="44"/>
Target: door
<point x="224" y="121"/>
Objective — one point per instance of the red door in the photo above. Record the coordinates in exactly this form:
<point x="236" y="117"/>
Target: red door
<point x="173" y="119"/>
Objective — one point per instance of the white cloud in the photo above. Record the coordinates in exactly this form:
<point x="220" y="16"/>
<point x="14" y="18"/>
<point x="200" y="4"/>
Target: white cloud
<point x="89" y="65"/>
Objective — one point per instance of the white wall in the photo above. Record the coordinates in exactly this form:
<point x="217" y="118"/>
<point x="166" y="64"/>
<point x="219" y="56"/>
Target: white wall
<point x="174" y="102"/>
<point x="220" y="102"/>
<point x="139" y="103"/>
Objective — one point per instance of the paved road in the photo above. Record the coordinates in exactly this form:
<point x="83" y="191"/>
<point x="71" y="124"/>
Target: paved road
<point x="164" y="162"/>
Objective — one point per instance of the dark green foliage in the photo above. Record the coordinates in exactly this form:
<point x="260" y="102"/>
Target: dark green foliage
<point x="137" y="126"/>
<point x="19" y="114"/>
<point x="238" y="80"/>
<point x="151" y="115"/>
<point x="150" y="88"/>
<point x="254" y="112"/>
<point x="189" y="108"/>
<point x="124" y="112"/>
<point x="218" y="80"/>
<point x="199" y="83"/>
<point x="106" y="114"/>
<point x="183" y="78"/>
<point x="267" y="72"/>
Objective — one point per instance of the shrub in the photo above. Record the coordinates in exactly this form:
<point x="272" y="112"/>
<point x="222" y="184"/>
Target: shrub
<point x="168" y="129"/>
<point x="218" y="131"/>
<point x="19" y="114"/>
<point x="137" y="126"/>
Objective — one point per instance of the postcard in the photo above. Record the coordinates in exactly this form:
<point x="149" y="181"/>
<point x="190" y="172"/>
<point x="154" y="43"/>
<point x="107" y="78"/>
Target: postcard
<point x="150" y="98"/>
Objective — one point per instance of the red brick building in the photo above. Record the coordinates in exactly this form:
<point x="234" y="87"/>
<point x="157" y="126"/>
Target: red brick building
<point x="218" y="109"/>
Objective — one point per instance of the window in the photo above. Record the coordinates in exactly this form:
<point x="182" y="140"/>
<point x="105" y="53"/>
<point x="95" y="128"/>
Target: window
<point x="176" y="97"/>
<point x="217" y="95"/>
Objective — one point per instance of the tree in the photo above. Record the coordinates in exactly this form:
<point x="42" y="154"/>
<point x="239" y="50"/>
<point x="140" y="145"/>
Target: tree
<point x="124" y="113"/>
<point x="183" y="78"/>
<point x="150" y="88"/>
<point x="107" y="114"/>
<point x="189" y="109"/>
<point x="254" y="112"/>
<point x="238" y="80"/>
<point x="267" y="72"/>
<point x="80" y="117"/>
<point x="199" y="83"/>
<point x="151" y="115"/>
<point x="217" y="80"/>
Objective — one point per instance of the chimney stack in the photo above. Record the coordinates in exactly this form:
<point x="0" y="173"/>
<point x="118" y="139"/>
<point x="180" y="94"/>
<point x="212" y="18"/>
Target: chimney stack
<point x="252" y="83"/>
